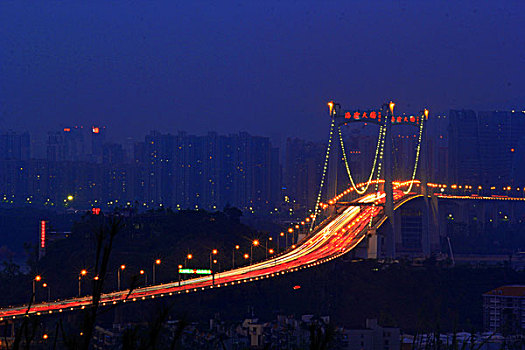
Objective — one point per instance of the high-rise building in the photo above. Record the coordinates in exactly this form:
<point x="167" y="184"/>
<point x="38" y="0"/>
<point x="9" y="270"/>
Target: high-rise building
<point x="464" y="156"/>
<point x="487" y="149"/>
<point x="14" y="146"/>
<point x="76" y="143"/>
<point x="302" y="172"/>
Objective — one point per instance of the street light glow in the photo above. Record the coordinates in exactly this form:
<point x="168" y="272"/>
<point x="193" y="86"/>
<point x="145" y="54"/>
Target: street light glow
<point x="83" y="272"/>
<point x="38" y="278"/>
<point x="189" y="256"/>
<point x="214" y="252"/>
<point x="255" y="242"/>
<point x="122" y="267"/>
<point x="70" y="198"/>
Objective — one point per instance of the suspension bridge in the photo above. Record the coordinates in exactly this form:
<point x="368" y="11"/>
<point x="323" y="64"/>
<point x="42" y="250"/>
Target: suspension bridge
<point x="343" y="218"/>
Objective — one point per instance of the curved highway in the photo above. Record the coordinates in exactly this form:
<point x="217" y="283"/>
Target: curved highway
<point x="339" y="235"/>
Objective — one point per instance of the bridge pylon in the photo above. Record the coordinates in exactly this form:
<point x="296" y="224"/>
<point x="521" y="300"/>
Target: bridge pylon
<point x="383" y="164"/>
<point x="389" y="191"/>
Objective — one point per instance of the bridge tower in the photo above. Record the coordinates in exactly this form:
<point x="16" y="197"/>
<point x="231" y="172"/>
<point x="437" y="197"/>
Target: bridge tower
<point x="389" y="191"/>
<point x="333" y="169"/>
<point x="383" y="165"/>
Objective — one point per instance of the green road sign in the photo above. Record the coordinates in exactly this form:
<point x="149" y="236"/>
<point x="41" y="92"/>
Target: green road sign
<point x="196" y="271"/>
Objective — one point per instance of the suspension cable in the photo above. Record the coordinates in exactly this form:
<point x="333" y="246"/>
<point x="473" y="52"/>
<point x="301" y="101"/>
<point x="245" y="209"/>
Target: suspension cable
<point x="348" y="166"/>
<point x="417" y="155"/>
<point x="325" y="167"/>
<point x="379" y="166"/>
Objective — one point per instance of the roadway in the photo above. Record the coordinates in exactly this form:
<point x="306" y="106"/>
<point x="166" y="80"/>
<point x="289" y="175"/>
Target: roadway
<point x="335" y="237"/>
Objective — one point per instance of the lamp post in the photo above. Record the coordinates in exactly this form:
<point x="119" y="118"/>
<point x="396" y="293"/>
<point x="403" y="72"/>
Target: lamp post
<point x="37" y="278"/>
<point x="156" y="262"/>
<point x="142" y="272"/>
<point x="246" y="256"/>
<point x="213" y="252"/>
<point x="266" y="245"/>
<point x="45" y="285"/>
<point x="255" y="243"/>
<point x="188" y="257"/>
<point x="290" y="230"/>
<point x="233" y="255"/>
<point x="80" y="275"/>
<point x="121" y="268"/>
<point x="279" y="242"/>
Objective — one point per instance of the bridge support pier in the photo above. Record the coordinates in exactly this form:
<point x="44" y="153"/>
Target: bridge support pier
<point x="373" y="244"/>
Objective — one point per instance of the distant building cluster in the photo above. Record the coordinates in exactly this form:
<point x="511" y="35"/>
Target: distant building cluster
<point x="79" y="167"/>
<point x="179" y="171"/>
<point x="487" y="148"/>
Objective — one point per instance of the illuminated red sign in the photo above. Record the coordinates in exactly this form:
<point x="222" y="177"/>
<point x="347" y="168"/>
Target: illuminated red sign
<point x="67" y="129"/>
<point x="95" y="211"/>
<point x="96" y="130"/>
<point x="42" y="234"/>
<point x="376" y="116"/>
<point x="364" y="115"/>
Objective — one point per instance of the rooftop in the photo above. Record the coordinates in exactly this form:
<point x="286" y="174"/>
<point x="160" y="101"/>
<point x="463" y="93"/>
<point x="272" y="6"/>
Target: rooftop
<point x="508" y="291"/>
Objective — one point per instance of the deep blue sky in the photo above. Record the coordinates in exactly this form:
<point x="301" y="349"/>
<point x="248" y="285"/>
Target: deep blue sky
<point x="266" y="67"/>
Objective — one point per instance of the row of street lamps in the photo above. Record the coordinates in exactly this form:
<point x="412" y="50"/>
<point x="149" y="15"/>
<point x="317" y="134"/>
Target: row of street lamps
<point x="254" y="244"/>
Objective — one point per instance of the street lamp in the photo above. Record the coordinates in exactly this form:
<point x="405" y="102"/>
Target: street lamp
<point x="121" y="268"/>
<point x="188" y="257"/>
<point x="37" y="278"/>
<point x="290" y="230"/>
<point x="80" y="275"/>
<point x="213" y="252"/>
<point x="180" y="267"/>
<point x="45" y="285"/>
<point x="266" y="245"/>
<point x="255" y="243"/>
<point x="233" y="255"/>
<point x="279" y="242"/>
<point x="142" y="272"/>
<point x="156" y="262"/>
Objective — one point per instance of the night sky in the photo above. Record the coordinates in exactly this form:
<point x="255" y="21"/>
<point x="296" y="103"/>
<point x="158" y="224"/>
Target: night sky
<point x="266" y="67"/>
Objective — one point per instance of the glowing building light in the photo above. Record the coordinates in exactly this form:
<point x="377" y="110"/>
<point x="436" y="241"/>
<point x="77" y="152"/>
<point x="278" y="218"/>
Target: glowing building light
<point x="42" y="234"/>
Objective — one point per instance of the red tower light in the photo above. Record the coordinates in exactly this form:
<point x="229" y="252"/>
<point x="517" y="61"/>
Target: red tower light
<point x="42" y="234"/>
